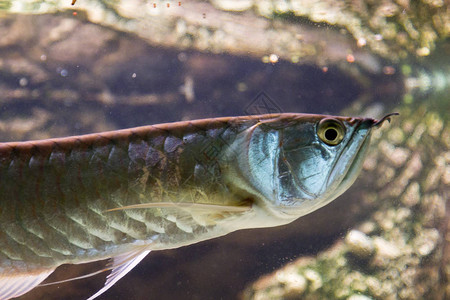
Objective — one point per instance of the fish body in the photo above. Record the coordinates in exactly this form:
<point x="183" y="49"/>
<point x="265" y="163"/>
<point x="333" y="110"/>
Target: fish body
<point x="123" y="193"/>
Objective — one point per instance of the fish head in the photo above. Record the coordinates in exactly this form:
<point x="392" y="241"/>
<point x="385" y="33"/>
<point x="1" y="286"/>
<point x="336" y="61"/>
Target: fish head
<point x="302" y="163"/>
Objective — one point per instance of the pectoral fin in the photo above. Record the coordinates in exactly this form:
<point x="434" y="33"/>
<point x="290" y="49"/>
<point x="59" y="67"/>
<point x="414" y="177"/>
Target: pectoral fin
<point x="120" y="266"/>
<point x="15" y="285"/>
<point x="193" y="206"/>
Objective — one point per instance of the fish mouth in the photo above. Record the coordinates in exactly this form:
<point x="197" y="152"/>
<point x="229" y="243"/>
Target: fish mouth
<point x="355" y="166"/>
<point x="365" y="144"/>
<point x="362" y="130"/>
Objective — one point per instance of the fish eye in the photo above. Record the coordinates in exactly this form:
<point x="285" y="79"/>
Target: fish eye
<point x="331" y="131"/>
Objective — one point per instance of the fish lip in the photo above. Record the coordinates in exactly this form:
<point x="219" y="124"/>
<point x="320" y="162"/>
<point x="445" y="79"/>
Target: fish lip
<point x="363" y="124"/>
<point x="353" y="165"/>
<point x="370" y="123"/>
<point x="360" y="124"/>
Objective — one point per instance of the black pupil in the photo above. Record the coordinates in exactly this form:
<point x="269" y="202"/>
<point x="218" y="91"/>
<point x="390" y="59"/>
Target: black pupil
<point x="331" y="134"/>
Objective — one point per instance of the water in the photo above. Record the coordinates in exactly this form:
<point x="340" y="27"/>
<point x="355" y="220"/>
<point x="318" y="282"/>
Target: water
<point x="62" y="75"/>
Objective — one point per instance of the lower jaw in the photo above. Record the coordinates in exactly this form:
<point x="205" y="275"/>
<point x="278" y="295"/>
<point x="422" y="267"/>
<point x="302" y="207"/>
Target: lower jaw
<point x="356" y="165"/>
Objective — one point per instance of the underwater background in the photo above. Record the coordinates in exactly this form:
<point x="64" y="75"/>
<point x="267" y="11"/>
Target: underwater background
<point x="109" y="64"/>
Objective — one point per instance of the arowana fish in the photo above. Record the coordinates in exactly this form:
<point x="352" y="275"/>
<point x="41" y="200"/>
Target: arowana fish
<point x="122" y="194"/>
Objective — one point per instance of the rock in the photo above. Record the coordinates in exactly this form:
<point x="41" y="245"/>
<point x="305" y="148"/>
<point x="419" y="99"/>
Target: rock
<point x="359" y="243"/>
<point x="359" y="297"/>
<point x="314" y="278"/>
<point x="385" y="252"/>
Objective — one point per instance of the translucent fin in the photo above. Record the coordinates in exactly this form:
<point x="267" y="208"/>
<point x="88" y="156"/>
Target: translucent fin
<point x="75" y="278"/>
<point x="120" y="266"/>
<point x="200" y="206"/>
<point x="18" y="284"/>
